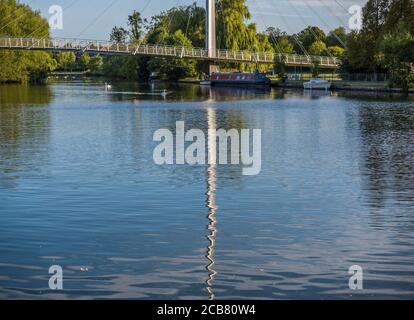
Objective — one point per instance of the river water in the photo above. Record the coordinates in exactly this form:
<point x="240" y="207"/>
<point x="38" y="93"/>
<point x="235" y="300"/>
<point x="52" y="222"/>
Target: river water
<point x="79" y="189"/>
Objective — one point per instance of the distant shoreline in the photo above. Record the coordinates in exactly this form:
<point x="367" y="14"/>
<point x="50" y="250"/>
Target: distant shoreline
<point x="336" y="85"/>
<point x="345" y="86"/>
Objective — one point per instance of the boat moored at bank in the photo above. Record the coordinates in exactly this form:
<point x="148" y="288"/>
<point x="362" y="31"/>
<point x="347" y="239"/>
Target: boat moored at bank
<point x="237" y="78"/>
<point x="317" y="84"/>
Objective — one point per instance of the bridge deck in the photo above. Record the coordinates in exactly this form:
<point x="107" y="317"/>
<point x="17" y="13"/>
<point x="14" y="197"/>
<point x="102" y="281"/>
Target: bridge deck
<point x="111" y="48"/>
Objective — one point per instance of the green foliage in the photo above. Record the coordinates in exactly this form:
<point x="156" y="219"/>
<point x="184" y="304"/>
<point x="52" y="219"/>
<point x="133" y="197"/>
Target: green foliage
<point x="18" y="19"/>
<point x="84" y="61"/>
<point x="284" y="46"/>
<point x="175" y="69"/>
<point x="385" y="41"/>
<point x="233" y="29"/>
<point x="279" y="40"/>
<point x="189" y="19"/>
<point x="309" y="36"/>
<point x="280" y="67"/>
<point x="400" y="11"/>
<point x="95" y="64"/>
<point x="135" y="24"/>
<point x="318" y="48"/>
<point x="235" y="32"/>
<point x="336" y="38"/>
<point x="66" y="61"/>
<point x="336" y="51"/>
<point x="119" y="35"/>
<point x="24" y="66"/>
<point x="398" y="55"/>
<point x="374" y="16"/>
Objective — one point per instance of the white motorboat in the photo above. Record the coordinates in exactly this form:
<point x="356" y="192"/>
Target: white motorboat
<point x="317" y="84"/>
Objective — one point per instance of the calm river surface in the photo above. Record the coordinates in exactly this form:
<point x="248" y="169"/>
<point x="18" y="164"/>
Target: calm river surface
<point x="79" y="189"/>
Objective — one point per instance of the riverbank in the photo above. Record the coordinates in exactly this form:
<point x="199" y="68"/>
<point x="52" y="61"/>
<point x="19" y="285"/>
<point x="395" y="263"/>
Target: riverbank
<point x="336" y="85"/>
<point x="346" y="86"/>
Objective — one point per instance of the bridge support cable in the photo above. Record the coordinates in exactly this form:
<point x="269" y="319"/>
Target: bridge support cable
<point x="295" y="38"/>
<point x="279" y="51"/>
<point x="304" y="21"/>
<point x="110" y="5"/>
<point x="342" y="22"/>
<point x="324" y="22"/>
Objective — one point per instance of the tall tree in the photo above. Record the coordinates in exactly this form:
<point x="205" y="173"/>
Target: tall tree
<point x="118" y="35"/>
<point x="84" y="61"/>
<point x="318" y="48"/>
<point x="96" y="63"/>
<point x="233" y="27"/>
<point x="310" y="35"/>
<point x="175" y="69"/>
<point x="135" y="23"/>
<point x="336" y="37"/>
<point x="279" y="40"/>
<point x="398" y="55"/>
<point x="374" y="14"/>
<point x="23" y="66"/>
<point x="400" y="11"/>
<point x="66" y="60"/>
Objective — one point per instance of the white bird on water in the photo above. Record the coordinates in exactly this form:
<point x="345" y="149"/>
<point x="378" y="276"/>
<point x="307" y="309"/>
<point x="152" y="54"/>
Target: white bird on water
<point x="107" y="87"/>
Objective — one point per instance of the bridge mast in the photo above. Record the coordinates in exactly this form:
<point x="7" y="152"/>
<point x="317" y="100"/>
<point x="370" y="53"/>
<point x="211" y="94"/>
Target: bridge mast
<point x="211" y="28"/>
<point x="211" y="43"/>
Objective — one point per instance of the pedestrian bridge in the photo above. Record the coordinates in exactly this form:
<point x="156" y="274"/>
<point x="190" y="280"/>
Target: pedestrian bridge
<point x="112" y="48"/>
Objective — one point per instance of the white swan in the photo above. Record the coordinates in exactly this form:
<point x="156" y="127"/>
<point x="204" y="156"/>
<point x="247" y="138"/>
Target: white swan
<point x="107" y="87"/>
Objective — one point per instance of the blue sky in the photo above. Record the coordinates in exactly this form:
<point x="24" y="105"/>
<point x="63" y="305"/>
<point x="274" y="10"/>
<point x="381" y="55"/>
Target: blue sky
<point x="94" y="19"/>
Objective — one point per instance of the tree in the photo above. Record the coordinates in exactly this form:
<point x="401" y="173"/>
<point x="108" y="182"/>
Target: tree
<point x="279" y="40"/>
<point x="234" y="33"/>
<point x="310" y="35"/>
<point x="364" y="52"/>
<point x="185" y="26"/>
<point x="318" y="48"/>
<point x="18" y="66"/>
<point x="135" y="24"/>
<point x="400" y="11"/>
<point x="336" y="51"/>
<point x="336" y="37"/>
<point x="96" y="63"/>
<point x="175" y="69"/>
<point x="190" y="20"/>
<point x="119" y="35"/>
<point x="280" y="67"/>
<point x="84" y="61"/>
<point x="66" y="60"/>
<point x="398" y="55"/>
<point x="374" y="15"/>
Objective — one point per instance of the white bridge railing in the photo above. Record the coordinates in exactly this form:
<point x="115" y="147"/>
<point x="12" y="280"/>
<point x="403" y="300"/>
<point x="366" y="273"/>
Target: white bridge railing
<point x="106" y="47"/>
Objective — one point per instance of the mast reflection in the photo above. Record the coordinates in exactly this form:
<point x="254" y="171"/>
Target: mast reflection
<point x="211" y="201"/>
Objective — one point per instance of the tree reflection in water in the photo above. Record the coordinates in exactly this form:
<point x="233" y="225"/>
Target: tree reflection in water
<point x="23" y="133"/>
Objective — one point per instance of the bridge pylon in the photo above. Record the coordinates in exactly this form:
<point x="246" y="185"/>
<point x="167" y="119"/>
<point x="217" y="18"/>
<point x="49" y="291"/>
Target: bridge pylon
<point x="211" y="36"/>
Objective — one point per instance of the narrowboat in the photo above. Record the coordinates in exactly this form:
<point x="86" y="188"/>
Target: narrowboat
<point x="237" y="78"/>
